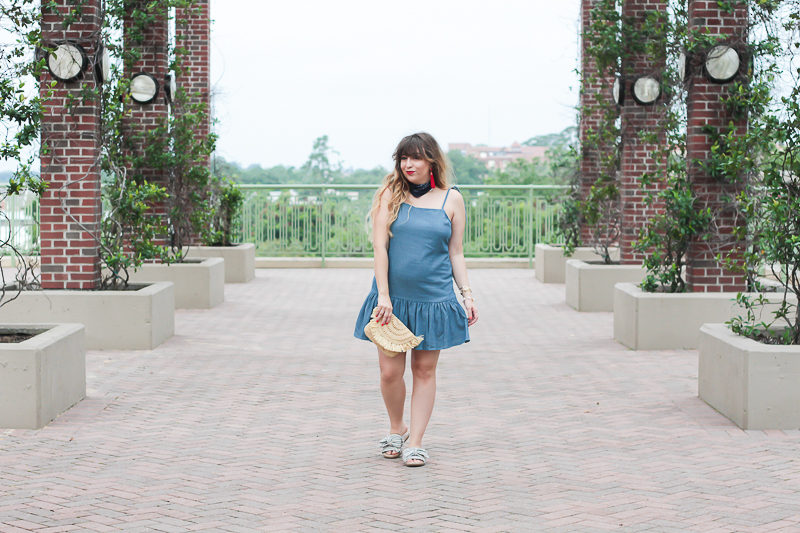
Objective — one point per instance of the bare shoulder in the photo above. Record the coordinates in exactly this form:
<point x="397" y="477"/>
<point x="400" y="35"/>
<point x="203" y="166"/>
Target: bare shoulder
<point x="454" y="204"/>
<point x="455" y="198"/>
<point x="385" y="198"/>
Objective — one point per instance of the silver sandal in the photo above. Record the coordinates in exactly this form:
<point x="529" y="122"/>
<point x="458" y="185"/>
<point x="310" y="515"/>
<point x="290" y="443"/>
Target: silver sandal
<point x="418" y="455"/>
<point x="393" y="444"/>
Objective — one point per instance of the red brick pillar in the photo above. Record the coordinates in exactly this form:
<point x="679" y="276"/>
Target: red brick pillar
<point x="193" y="34"/>
<point x="637" y="157"/>
<point x="705" y="106"/>
<point x="70" y="207"/>
<point x="151" y="43"/>
<point x="595" y="99"/>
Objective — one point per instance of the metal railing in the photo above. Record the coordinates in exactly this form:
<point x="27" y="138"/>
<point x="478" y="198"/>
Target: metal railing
<point x="325" y="221"/>
<point x="19" y="223"/>
<point x="331" y="220"/>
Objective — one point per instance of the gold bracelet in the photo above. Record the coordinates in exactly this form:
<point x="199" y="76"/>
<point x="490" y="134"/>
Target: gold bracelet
<point x="464" y="289"/>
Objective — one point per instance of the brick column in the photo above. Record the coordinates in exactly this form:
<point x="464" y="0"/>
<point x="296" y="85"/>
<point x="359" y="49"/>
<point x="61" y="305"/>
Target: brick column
<point x="594" y="98"/>
<point x="193" y="33"/>
<point x="637" y="154"/>
<point x="70" y="207"/>
<point x="705" y="107"/>
<point x="153" y="50"/>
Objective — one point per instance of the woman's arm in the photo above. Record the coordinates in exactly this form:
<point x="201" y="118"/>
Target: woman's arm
<point x="380" y="244"/>
<point x="456" y="250"/>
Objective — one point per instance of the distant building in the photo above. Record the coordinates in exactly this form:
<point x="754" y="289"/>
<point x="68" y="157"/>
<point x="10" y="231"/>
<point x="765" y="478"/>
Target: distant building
<point x="499" y="157"/>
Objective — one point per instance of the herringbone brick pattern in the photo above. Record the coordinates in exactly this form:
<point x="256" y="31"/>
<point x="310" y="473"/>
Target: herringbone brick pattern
<point x="247" y="421"/>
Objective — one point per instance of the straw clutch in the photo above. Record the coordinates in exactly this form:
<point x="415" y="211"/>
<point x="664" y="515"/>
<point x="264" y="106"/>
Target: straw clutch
<point x="394" y="338"/>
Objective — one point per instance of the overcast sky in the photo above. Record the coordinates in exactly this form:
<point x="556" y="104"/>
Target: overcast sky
<point x="368" y="72"/>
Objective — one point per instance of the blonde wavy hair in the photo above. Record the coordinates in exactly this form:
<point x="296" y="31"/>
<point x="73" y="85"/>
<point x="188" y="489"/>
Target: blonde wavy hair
<point x="419" y="146"/>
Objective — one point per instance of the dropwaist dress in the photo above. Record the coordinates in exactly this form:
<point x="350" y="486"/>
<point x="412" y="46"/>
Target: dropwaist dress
<point x="421" y="280"/>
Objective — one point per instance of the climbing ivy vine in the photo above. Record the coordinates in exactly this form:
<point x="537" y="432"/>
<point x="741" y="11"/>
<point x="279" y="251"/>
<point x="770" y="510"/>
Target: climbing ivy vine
<point x="765" y="161"/>
<point x="761" y="161"/>
<point x="22" y="59"/>
<point x="678" y="220"/>
<point x="132" y="232"/>
<point x="600" y="210"/>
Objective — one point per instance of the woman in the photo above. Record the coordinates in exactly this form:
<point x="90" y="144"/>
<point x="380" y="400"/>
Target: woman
<point x="417" y="233"/>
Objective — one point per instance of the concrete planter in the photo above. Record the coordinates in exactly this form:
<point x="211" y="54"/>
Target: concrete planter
<point x="43" y="376"/>
<point x="115" y="320"/>
<point x="199" y="285"/>
<point x="665" y="321"/>
<point x="590" y="287"/>
<point x="550" y="260"/>
<point x="753" y="384"/>
<point x="240" y="260"/>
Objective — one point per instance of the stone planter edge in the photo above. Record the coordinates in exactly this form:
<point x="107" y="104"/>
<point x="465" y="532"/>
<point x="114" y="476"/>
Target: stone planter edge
<point x="550" y="260"/>
<point x="114" y="320"/>
<point x="669" y="321"/>
<point x="752" y="384"/>
<point x="240" y="260"/>
<point x="197" y="285"/>
<point x="590" y="288"/>
<point x="43" y="376"/>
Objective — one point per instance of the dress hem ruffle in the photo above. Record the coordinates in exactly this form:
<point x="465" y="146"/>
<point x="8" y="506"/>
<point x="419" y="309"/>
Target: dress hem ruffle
<point x="443" y="324"/>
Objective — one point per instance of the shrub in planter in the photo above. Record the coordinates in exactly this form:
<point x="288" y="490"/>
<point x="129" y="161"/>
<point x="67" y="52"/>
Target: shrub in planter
<point x="129" y="232"/>
<point x="678" y="219"/>
<point x="750" y="373"/>
<point x="601" y="211"/>
<point x="132" y="233"/>
<point x="219" y="238"/>
<point x="767" y="159"/>
<point x="568" y="221"/>
<point x="666" y="237"/>
<point x="773" y="207"/>
<point x="173" y="149"/>
<point x="227" y="199"/>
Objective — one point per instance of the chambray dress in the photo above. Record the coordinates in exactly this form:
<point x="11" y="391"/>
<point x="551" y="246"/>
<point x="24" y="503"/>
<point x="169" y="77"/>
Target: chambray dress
<point x="421" y="280"/>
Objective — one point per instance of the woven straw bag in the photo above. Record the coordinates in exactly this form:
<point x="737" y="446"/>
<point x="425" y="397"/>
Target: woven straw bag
<point x="394" y="338"/>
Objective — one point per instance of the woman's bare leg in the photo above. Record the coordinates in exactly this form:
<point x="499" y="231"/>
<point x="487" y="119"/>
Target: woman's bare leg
<point x="423" y="367"/>
<point x="393" y="389"/>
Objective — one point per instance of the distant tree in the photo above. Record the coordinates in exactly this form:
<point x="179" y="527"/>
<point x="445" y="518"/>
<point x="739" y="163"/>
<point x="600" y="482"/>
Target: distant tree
<point x="371" y="176"/>
<point x="320" y="166"/>
<point x="561" y="164"/>
<point x="221" y="167"/>
<point x="566" y="137"/>
<point x="276" y="174"/>
<point x="256" y="174"/>
<point x="519" y="172"/>
<point x="467" y="169"/>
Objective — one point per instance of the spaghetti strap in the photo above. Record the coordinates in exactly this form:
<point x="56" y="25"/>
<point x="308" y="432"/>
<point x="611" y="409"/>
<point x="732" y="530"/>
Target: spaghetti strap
<point x="446" y="195"/>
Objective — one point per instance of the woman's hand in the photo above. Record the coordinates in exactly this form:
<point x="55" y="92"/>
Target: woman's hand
<point x="472" y="311"/>
<point x="383" y="311"/>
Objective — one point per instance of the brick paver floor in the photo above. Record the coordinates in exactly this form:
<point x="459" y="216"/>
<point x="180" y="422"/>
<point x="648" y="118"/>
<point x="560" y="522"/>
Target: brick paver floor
<point x="246" y="421"/>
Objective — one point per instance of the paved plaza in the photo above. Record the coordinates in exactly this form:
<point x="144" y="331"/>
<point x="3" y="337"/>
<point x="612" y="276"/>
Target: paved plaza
<point x="264" y="413"/>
